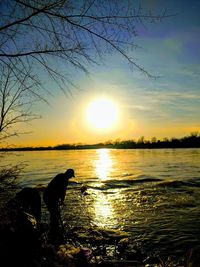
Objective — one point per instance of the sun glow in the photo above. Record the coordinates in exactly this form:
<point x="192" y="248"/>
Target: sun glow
<point x="102" y="114"/>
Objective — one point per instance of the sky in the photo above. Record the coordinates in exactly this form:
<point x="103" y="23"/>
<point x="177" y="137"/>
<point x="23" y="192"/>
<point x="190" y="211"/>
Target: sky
<point x="168" y="106"/>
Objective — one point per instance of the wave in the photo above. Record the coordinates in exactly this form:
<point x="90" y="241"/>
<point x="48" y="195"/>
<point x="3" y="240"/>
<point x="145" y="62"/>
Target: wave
<point x="179" y="183"/>
<point x="128" y="184"/>
<point x="120" y="184"/>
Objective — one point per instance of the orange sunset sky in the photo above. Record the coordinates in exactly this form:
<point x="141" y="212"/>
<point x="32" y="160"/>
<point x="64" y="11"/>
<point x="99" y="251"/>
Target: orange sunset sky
<point x="115" y="102"/>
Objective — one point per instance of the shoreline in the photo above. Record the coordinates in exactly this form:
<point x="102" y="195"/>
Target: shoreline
<point x="191" y="141"/>
<point x="24" y="149"/>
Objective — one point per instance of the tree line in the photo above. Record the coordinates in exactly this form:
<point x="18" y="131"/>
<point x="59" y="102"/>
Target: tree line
<point x="190" y="141"/>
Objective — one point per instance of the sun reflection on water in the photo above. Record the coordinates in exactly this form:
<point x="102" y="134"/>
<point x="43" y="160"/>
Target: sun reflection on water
<point x="103" y="164"/>
<point x="102" y="206"/>
<point x="103" y="210"/>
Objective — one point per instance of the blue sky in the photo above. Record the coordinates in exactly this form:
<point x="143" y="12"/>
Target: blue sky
<point x="163" y="107"/>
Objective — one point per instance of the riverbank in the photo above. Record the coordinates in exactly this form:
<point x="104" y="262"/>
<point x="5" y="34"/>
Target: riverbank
<point x="191" y="141"/>
<point x="28" y="245"/>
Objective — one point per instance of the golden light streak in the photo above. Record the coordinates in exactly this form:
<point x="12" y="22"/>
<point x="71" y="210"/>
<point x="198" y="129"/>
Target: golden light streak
<point x="103" y="164"/>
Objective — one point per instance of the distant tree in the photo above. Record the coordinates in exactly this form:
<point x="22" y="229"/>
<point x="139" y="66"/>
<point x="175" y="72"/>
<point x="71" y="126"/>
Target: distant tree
<point x="194" y="134"/>
<point x="175" y="142"/>
<point x="192" y="140"/>
<point x="154" y="139"/>
<point x="166" y="139"/>
<point x="141" y="140"/>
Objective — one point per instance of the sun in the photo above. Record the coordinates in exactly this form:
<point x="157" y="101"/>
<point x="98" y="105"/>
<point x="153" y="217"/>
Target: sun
<point x="102" y="114"/>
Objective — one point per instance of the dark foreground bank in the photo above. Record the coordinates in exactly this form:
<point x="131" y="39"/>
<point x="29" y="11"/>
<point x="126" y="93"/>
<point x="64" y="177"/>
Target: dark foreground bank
<point x="25" y="242"/>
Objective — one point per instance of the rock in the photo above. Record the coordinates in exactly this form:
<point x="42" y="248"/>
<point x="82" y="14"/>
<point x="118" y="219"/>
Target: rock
<point x="88" y="234"/>
<point x="73" y="256"/>
<point x="69" y="249"/>
<point x="87" y="252"/>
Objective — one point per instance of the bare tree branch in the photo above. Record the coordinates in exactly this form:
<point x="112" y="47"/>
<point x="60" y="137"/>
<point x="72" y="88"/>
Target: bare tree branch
<point x="58" y="38"/>
<point x="53" y="36"/>
<point x="17" y="95"/>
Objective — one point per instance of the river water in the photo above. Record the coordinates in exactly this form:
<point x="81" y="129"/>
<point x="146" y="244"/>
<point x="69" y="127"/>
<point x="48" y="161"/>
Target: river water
<point x="152" y="194"/>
